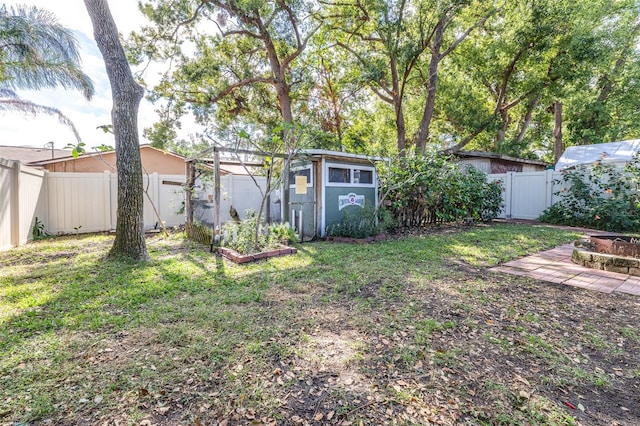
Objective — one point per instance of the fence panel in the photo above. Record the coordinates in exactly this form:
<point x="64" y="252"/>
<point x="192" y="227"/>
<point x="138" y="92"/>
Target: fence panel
<point x="171" y="199"/>
<point x="78" y="202"/>
<point x="502" y="177"/>
<point x="33" y="202"/>
<point x="526" y="194"/>
<point x="7" y="194"/>
<point x="21" y="200"/>
<point x="239" y="192"/>
<point x="530" y="194"/>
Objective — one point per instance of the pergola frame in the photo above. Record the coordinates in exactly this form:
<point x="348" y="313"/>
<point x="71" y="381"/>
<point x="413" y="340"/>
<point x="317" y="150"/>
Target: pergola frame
<point x="216" y="162"/>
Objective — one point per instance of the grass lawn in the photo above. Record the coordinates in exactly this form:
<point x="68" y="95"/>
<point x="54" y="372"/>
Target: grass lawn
<point x="409" y="331"/>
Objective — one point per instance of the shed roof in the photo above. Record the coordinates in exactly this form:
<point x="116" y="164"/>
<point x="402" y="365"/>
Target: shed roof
<point x="614" y="152"/>
<point x="497" y="156"/>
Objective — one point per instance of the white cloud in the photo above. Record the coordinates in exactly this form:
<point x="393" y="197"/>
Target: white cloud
<point x="17" y="129"/>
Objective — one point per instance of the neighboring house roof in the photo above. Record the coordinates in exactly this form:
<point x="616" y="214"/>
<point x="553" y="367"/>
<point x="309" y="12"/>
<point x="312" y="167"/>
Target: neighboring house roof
<point x="496" y="156"/>
<point x="30" y="154"/>
<point x="97" y="154"/>
<point x="339" y="154"/>
<point x="615" y="152"/>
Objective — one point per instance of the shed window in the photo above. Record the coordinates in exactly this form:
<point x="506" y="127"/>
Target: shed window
<point x="362" y="176"/>
<point x="301" y="172"/>
<point x="339" y="175"/>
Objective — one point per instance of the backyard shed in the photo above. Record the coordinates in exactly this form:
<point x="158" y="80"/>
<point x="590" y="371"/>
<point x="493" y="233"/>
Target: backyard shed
<point x="323" y="185"/>
<point x="492" y="162"/>
<point x="613" y="152"/>
<point x="326" y="184"/>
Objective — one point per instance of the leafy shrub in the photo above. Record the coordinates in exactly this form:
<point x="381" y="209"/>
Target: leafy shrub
<point x="600" y="196"/>
<point x="282" y="233"/>
<point x="38" y="232"/>
<point x="361" y="223"/>
<point x="252" y="236"/>
<point x="433" y="188"/>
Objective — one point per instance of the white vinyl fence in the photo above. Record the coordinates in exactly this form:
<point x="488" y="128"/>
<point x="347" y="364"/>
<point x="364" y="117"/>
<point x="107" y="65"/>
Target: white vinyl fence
<point x="21" y="200"/>
<point x="68" y="203"/>
<point x="238" y="191"/>
<point x="76" y="202"/>
<point x="88" y="202"/>
<point x="526" y="194"/>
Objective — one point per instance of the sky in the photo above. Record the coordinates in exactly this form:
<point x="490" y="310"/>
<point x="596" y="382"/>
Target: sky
<point x="17" y="129"/>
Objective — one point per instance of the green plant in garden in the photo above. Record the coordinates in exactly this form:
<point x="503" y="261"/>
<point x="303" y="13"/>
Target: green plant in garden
<point x="600" y="195"/>
<point x="38" y="231"/>
<point x="361" y="223"/>
<point x="433" y="188"/>
<point x="241" y="236"/>
<point x="282" y="233"/>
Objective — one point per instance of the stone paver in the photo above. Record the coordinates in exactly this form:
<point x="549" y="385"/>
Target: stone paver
<point x="555" y="266"/>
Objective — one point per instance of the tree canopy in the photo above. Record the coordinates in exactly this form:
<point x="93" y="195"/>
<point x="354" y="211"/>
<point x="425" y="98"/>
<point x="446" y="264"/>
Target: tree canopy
<point x="396" y="76"/>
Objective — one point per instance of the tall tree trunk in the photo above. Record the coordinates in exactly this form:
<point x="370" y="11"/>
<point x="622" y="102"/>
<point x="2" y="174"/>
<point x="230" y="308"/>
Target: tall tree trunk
<point x="401" y="133"/>
<point x="396" y="96"/>
<point x="502" y="131"/>
<point x="126" y="94"/>
<point x="557" y="131"/>
<point x="284" y="99"/>
<point x="527" y="118"/>
<point x="432" y="85"/>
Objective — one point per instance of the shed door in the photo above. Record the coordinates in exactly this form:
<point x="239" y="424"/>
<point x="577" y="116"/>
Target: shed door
<point x="302" y="200"/>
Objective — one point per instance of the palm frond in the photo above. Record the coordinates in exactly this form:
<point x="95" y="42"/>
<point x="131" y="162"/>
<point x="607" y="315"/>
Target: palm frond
<point x="13" y="103"/>
<point x="37" y="52"/>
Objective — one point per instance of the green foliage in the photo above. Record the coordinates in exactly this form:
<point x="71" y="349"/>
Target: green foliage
<point x="38" y="52"/>
<point x="38" y="231"/>
<point x="599" y="196"/>
<point x="252" y="236"/>
<point x="242" y="237"/>
<point x="358" y="73"/>
<point x="77" y="150"/>
<point x="361" y="223"/>
<point x="432" y="188"/>
<point x="282" y="233"/>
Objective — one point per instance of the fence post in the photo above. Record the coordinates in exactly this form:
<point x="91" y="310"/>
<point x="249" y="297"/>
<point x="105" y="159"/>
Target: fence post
<point x="549" y="188"/>
<point x="106" y="194"/>
<point x="155" y="196"/>
<point x="15" y="204"/>
<point x="508" y="190"/>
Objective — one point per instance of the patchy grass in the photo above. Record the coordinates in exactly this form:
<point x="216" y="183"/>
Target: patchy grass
<point x="411" y="331"/>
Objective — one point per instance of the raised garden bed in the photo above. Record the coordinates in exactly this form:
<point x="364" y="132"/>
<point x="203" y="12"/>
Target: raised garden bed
<point x="236" y="257"/>
<point x="367" y="240"/>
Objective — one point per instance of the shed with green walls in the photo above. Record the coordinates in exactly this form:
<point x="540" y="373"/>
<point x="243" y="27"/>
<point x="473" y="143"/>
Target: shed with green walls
<point x="330" y="183"/>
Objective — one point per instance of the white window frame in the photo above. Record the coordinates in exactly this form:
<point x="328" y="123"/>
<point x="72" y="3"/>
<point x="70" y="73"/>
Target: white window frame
<point x="298" y="168"/>
<point x="352" y="168"/>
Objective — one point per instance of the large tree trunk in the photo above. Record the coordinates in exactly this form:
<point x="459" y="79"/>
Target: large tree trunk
<point x="432" y="85"/>
<point x="126" y="94"/>
<point x="558" y="148"/>
<point x="401" y="133"/>
<point x="284" y="99"/>
<point x="397" y="106"/>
